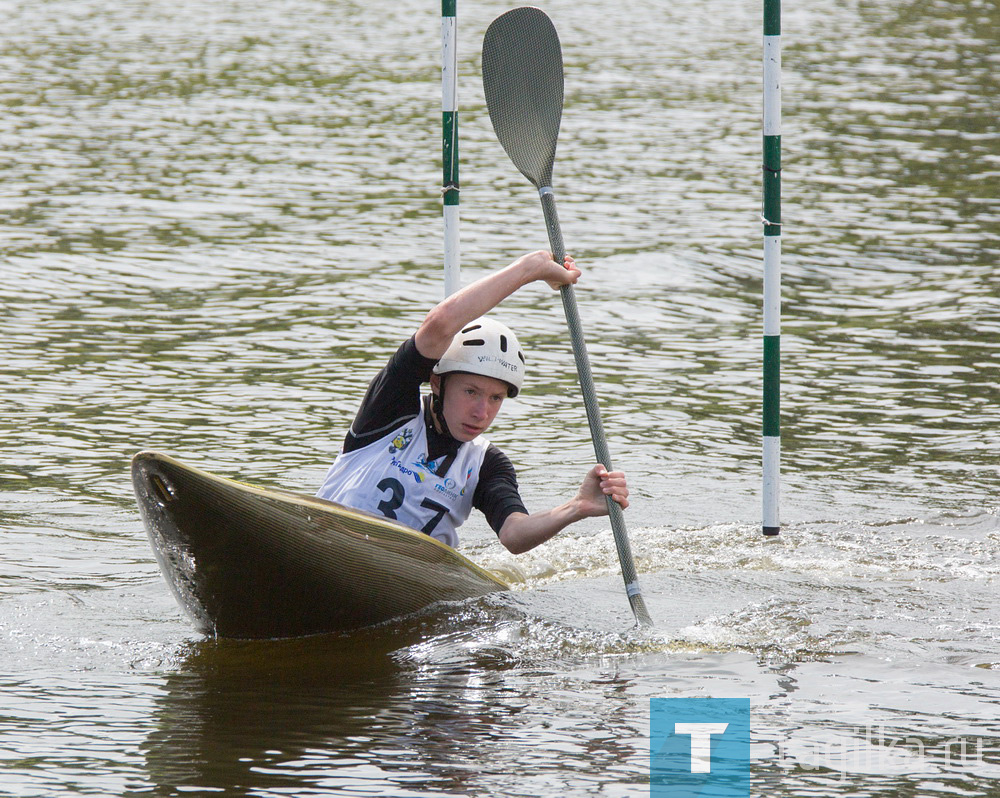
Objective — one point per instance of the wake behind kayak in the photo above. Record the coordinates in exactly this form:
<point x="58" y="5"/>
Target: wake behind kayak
<point x="251" y="562"/>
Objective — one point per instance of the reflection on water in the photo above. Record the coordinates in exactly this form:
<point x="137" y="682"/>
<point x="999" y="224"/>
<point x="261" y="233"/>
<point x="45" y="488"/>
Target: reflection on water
<point x="428" y="705"/>
<point x="216" y="220"/>
<point x="246" y="715"/>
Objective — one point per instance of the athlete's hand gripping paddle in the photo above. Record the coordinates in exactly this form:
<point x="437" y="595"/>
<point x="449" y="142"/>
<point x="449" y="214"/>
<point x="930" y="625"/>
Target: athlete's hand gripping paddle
<point x="523" y="80"/>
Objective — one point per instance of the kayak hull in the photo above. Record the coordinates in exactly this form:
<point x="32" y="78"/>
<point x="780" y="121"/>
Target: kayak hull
<point x="251" y="562"/>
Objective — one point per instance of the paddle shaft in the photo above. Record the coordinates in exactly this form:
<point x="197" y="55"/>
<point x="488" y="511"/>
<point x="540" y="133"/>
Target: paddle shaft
<point x="593" y="409"/>
<point x="449" y="146"/>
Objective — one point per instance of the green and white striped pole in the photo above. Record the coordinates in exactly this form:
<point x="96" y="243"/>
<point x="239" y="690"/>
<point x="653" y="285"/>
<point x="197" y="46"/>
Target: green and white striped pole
<point x="449" y="150"/>
<point x="771" y="219"/>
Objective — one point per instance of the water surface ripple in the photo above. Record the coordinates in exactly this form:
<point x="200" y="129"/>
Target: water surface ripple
<point x="217" y="220"/>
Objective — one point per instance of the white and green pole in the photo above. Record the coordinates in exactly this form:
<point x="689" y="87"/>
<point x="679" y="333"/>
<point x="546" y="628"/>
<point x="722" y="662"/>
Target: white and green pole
<point x="449" y="150"/>
<point x="772" y="263"/>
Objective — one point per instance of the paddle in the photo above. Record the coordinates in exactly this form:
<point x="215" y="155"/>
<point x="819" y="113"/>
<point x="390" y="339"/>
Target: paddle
<point x="523" y="80"/>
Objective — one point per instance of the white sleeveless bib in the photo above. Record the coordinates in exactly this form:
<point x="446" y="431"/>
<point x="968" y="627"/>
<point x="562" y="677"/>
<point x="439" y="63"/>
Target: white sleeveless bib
<point x="392" y="477"/>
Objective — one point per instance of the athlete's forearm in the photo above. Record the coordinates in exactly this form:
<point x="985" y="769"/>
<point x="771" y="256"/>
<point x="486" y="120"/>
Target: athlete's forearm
<point x="479" y="298"/>
<point x="521" y="532"/>
<point x="473" y="301"/>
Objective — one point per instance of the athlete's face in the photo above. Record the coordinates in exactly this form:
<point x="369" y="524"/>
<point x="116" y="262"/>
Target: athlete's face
<point x="471" y="402"/>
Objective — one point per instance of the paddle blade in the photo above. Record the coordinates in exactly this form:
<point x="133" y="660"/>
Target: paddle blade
<point x="523" y="81"/>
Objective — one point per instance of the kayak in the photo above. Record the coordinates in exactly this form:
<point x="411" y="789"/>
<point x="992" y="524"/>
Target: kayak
<point x="245" y="561"/>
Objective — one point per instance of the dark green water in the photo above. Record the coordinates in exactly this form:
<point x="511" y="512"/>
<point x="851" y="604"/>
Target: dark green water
<point x="217" y="220"/>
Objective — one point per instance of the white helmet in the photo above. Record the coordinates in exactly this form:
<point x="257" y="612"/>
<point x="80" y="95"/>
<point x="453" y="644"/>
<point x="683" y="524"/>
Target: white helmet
<point x="488" y="348"/>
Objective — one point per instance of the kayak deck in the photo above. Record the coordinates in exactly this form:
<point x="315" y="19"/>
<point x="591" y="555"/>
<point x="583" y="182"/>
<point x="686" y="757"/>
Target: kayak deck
<point x="251" y="562"/>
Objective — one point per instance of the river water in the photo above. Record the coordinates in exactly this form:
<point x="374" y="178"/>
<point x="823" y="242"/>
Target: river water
<point x="217" y="221"/>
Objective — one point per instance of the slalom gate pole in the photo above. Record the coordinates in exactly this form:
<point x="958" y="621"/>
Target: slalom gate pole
<point x="771" y="219"/>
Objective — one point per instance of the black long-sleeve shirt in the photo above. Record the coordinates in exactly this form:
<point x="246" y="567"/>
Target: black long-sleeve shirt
<point x="393" y="399"/>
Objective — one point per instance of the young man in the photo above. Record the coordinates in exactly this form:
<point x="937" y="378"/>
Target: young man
<point x="424" y="462"/>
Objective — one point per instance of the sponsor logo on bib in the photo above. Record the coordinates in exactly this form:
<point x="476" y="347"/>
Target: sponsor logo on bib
<point x="401" y="441"/>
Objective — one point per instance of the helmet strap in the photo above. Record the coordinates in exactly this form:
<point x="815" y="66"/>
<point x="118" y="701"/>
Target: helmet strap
<point x="437" y="405"/>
